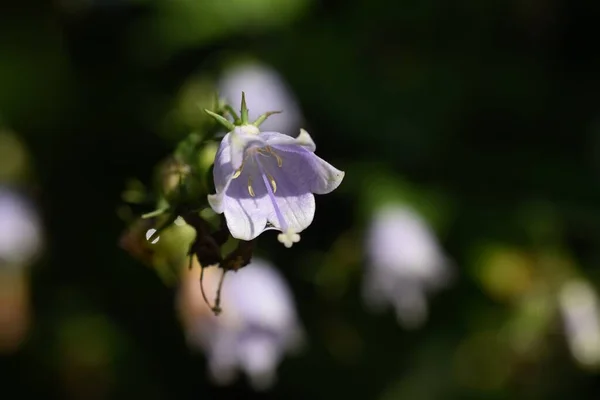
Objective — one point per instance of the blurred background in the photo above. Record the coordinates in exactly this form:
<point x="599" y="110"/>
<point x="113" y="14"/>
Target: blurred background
<point x="458" y="259"/>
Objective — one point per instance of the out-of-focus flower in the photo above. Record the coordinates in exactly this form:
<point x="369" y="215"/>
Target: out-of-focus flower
<point x="20" y="242"/>
<point x="266" y="180"/>
<point x="405" y="262"/>
<point x="20" y="229"/>
<point x="266" y="91"/>
<point x="257" y="327"/>
<point x="579" y="308"/>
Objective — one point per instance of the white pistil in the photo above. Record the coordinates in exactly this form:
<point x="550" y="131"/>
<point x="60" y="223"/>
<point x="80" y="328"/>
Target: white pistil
<point x="288" y="238"/>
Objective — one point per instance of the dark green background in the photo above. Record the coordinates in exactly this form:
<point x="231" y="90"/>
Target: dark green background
<point x="494" y="106"/>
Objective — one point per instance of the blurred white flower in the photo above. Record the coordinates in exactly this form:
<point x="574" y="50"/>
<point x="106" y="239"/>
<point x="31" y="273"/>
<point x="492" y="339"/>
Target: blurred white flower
<point x="20" y="229"/>
<point x="20" y="242"/>
<point x="404" y="263"/>
<point x="257" y="326"/>
<point x="265" y="91"/>
<point x="579" y="308"/>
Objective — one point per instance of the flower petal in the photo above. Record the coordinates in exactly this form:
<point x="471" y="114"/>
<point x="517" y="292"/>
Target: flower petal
<point x="298" y="212"/>
<point x="244" y="222"/>
<point x="222" y="173"/>
<point x="239" y="139"/>
<point x="230" y="153"/>
<point x="223" y="169"/>
<point x="290" y="192"/>
<point x="217" y="202"/>
<point x="327" y="178"/>
<point x="310" y="172"/>
<point x="244" y="204"/>
<point x="279" y="139"/>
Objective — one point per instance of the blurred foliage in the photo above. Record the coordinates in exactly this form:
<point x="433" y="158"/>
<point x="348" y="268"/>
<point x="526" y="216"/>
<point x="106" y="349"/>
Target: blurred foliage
<point x="483" y="116"/>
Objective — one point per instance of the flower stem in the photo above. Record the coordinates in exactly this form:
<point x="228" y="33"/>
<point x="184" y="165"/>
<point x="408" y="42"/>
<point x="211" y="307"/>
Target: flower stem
<point x="217" y="307"/>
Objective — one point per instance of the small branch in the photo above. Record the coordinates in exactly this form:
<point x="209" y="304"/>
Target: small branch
<point x="202" y="288"/>
<point x="217" y="308"/>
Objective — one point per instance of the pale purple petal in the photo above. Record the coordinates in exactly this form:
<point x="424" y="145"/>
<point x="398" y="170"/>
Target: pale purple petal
<point x="243" y="224"/>
<point x="298" y="212"/>
<point x="291" y="193"/>
<point x="326" y="177"/>
<point x="278" y="139"/>
<point x="223" y="169"/>
<point x="246" y="215"/>
<point x="307" y="170"/>
<point x="239" y="139"/>
<point x="222" y="173"/>
<point x="228" y="159"/>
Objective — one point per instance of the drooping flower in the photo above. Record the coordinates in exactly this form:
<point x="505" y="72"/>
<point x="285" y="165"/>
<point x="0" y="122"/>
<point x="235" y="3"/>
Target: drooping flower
<point x="257" y="327"/>
<point x="405" y="263"/>
<point x="266" y="180"/>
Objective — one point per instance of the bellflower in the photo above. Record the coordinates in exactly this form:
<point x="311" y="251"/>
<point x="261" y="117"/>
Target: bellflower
<point x="405" y="262"/>
<point x="266" y="180"/>
<point x="258" y="325"/>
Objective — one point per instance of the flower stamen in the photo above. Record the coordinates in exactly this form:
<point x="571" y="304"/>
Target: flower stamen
<point x="273" y="183"/>
<point x="263" y="152"/>
<point x="277" y="157"/>
<point x="250" y="188"/>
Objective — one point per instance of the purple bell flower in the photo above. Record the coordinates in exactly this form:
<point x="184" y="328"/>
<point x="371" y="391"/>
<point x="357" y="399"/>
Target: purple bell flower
<point x="267" y="180"/>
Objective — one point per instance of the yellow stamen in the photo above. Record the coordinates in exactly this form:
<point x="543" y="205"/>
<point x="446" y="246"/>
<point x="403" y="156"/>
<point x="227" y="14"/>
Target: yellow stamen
<point x="273" y="183"/>
<point x="277" y="157"/>
<point x="263" y="152"/>
<point x="250" y="189"/>
<point x="237" y="173"/>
